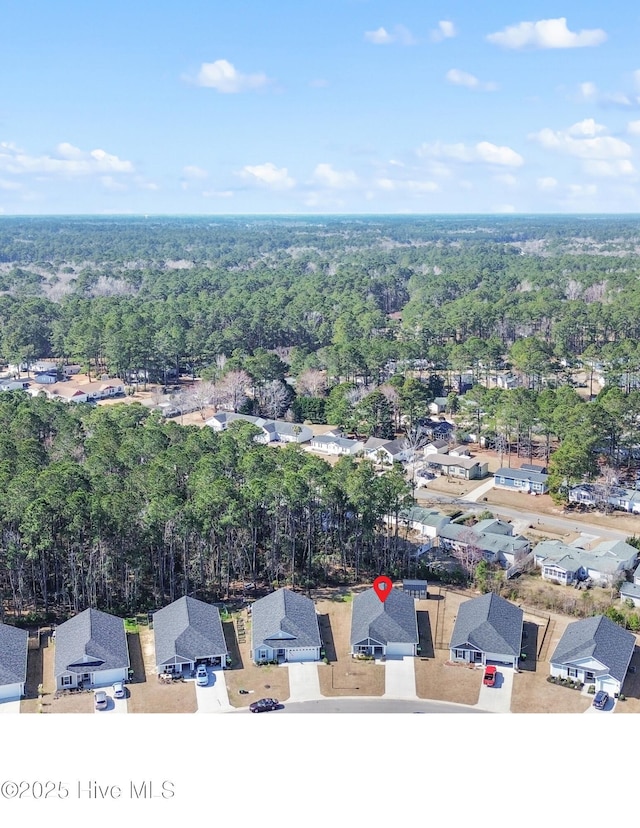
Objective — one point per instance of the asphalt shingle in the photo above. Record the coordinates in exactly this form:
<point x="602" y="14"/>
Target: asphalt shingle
<point x="490" y="624"/>
<point x="284" y="619"/>
<point x="188" y="630"/>
<point x="91" y="639"/>
<point x="599" y="638"/>
<point x="393" y="621"/>
<point x="13" y="654"/>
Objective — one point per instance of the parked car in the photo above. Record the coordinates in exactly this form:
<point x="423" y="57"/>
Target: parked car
<point x="490" y="673"/>
<point x="262" y="705"/>
<point x="101" y="700"/>
<point x="202" y="677"/>
<point x="118" y="690"/>
<point x="600" y="700"/>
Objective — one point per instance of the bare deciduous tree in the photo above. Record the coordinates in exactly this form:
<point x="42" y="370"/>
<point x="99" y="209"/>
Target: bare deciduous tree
<point x="274" y="399"/>
<point x="234" y="387"/>
<point x="311" y="383"/>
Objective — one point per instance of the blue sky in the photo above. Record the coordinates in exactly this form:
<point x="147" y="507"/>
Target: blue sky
<point x="319" y="106"/>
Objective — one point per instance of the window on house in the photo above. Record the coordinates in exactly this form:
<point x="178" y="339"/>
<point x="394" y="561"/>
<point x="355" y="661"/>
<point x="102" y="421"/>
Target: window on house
<point x="66" y="681"/>
<point x="572" y="672"/>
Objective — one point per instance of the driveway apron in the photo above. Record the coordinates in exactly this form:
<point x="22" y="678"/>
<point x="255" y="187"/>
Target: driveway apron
<point x="12" y="706"/>
<point x="497" y="699"/>
<point x="400" y="678"/>
<point x="213" y="698"/>
<point x="304" y="682"/>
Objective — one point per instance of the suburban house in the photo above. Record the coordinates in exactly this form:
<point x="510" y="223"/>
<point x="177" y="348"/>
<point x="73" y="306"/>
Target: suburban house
<point x="383" y="629"/>
<point x="487" y="629"/>
<point x="594" y="651"/>
<point x="79" y="390"/>
<point x="598" y="496"/>
<point x="335" y="445"/>
<point x="436" y="447"/>
<point x="91" y="650"/>
<point x="439" y="405"/>
<point x="188" y="632"/>
<point x="466" y="468"/>
<point x="386" y="451"/>
<point x="284" y="627"/>
<point x="521" y="480"/>
<point x="14" y="643"/>
<point x="630" y="590"/>
<point x="495" y="546"/>
<point x="272" y="431"/>
<point x="459" y="451"/>
<point x="426" y="522"/>
<point x="604" y="563"/>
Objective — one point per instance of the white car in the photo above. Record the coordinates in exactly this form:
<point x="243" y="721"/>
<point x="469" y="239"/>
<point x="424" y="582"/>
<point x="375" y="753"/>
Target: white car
<point x="118" y="690"/>
<point x="202" y="677"/>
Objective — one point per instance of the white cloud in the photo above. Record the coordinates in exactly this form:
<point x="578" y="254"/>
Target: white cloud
<point x="225" y="78"/>
<point x="506" y="179"/>
<point x="325" y="174"/>
<point x="582" y="190"/>
<point x="546" y="34"/>
<point x="445" y="30"/>
<point x="505" y="208"/>
<point x="381" y="37"/>
<point x="410" y="185"/>
<point x="588" y="91"/>
<point x="9" y="185"/>
<point x="277" y="178"/>
<point x="633" y="127"/>
<point x="483" y="152"/>
<point x="67" y="160"/>
<point x="459" y="78"/>
<point x="610" y="169"/>
<point x="113" y="184"/>
<point x="194" y="173"/>
<point x="589" y="144"/>
<point x="547" y="183"/>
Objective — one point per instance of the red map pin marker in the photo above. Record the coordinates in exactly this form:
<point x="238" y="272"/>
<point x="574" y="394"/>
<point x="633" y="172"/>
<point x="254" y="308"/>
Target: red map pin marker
<point x="382" y="587"/>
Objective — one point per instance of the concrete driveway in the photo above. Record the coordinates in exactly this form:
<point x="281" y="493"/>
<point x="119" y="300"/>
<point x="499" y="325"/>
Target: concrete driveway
<point x="213" y="698"/>
<point x="304" y="682"/>
<point x="113" y="705"/>
<point x="497" y="699"/>
<point x="11" y="706"/>
<point x="400" y="678"/>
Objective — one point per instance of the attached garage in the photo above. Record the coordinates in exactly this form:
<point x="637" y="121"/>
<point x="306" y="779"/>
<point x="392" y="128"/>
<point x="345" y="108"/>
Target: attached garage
<point x="91" y="651"/>
<point x="487" y="629"/>
<point x="284" y="628"/>
<point x="384" y="628"/>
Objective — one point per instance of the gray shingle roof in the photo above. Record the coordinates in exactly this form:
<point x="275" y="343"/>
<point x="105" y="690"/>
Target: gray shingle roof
<point x="284" y="620"/>
<point x="490" y="624"/>
<point x="13" y="654"/>
<point x="393" y="621"/>
<point x="598" y="638"/>
<point x="188" y="630"/>
<point x="522" y="474"/>
<point x="92" y="640"/>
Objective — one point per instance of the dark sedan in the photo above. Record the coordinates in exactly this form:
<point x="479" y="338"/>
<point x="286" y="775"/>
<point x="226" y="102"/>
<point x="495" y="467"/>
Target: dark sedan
<point x="262" y="705"/>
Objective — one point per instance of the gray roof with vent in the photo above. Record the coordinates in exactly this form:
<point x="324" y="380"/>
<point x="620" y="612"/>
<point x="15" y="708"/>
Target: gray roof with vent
<point x="188" y="630"/>
<point x="13" y="654"/>
<point x="92" y="640"/>
<point x="489" y="624"/>
<point x="284" y="620"/>
<point x="393" y="621"/>
<point x="599" y="638"/>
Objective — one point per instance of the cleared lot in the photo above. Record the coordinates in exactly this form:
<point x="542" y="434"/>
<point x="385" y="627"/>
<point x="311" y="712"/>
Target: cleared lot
<point x="344" y="675"/>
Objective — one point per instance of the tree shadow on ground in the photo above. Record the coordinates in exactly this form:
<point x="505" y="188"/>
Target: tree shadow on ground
<point x="530" y="632"/>
<point x="326" y="635"/>
<point x="35" y="670"/>
<point x="425" y="639"/>
<point x="631" y="686"/>
<point x="229" y="630"/>
<point x="136" y="661"/>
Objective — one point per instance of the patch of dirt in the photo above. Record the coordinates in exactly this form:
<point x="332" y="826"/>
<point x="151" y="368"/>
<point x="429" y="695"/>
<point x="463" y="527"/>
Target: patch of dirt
<point x="268" y="680"/>
<point x="344" y="675"/>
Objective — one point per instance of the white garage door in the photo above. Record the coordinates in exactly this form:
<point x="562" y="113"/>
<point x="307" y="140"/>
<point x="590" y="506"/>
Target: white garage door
<point x="609" y="686"/>
<point x="303" y="654"/>
<point x="102" y="678"/>
<point x="396" y="649"/>
<point x="10" y="691"/>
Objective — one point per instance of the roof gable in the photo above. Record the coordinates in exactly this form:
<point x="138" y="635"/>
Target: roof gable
<point x="189" y="629"/>
<point x="490" y="624"/>
<point x="596" y="638"/>
<point x="391" y="621"/>
<point x="92" y="638"/>
<point x="287" y="617"/>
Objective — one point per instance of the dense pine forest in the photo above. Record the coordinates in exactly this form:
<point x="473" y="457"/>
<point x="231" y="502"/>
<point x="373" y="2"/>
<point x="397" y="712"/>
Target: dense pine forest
<point x="357" y="322"/>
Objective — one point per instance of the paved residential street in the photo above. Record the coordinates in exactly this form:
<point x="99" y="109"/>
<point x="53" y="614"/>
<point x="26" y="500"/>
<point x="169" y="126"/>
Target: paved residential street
<point x="369" y="705"/>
